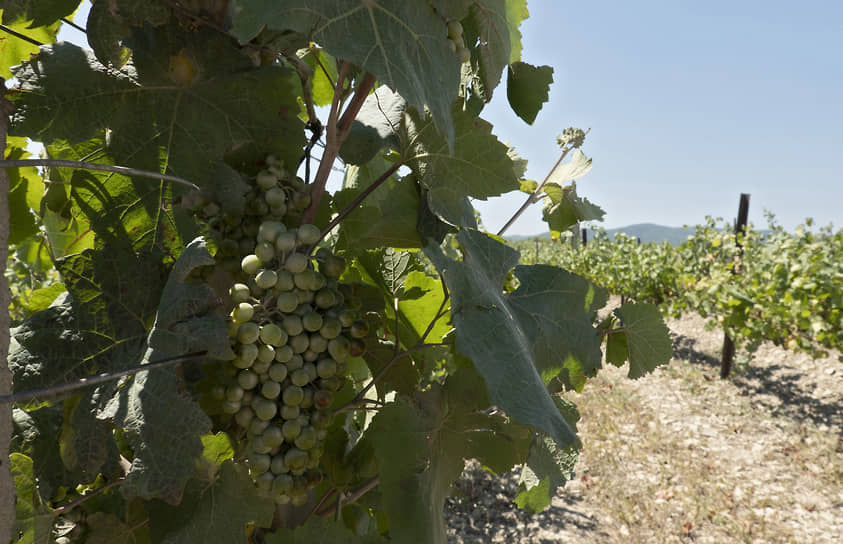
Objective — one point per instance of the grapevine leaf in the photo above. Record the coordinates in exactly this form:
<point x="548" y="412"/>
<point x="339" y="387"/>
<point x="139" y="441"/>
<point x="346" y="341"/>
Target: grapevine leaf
<point x="39" y="12"/>
<point x="321" y="531"/>
<point x="42" y="298"/>
<point x="375" y="127"/>
<point x="186" y="321"/>
<point x="402" y="43"/>
<point x="166" y="124"/>
<point x="617" y="350"/>
<point x="324" y="75"/>
<point x="487" y="34"/>
<point x="33" y="518"/>
<point x="566" y="209"/>
<point x="548" y="465"/>
<point x="527" y="88"/>
<point x="105" y="528"/>
<point x="420" y="310"/>
<point x="516" y="12"/>
<point x="105" y="31"/>
<point x="521" y="340"/>
<point x="577" y="167"/>
<point x="647" y="337"/>
<point x="479" y="166"/>
<point x="422" y="445"/>
<point x="212" y="512"/>
<point x="14" y="51"/>
<point x="86" y="441"/>
<point x="217" y="449"/>
<point x="25" y="189"/>
<point x="387" y="217"/>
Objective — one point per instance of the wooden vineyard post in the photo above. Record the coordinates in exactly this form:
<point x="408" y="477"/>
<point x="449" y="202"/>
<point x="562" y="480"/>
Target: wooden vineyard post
<point x="728" y="353"/>
<point x="584" y="237"/>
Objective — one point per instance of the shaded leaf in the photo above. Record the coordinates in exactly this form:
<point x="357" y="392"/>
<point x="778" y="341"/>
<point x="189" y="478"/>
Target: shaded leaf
<point x="402" y="43"/>
<point x="321" y="531"/>
<point x="647" y="337"/>
<point x="527" y="89"/>
<point x="376" y="126"/>
<point x="33" y="518"/>
<point x="486" y="33"/>
<point x="566" y="209"/>
<point x="39" y="12"/>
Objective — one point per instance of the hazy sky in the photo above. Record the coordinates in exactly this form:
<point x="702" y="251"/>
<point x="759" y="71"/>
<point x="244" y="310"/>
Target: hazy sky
<point x="690" y="104"/>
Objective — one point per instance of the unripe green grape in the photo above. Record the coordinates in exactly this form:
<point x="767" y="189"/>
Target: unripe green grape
<point x="296" y="262"/>
<point x="269" y="231"/>
<point x="284" y="283"/>
<point x="299" y="343"/>
<point x="322" y="399"/>
<point x="464" y="54"/>
<point x="454" y="29"/>
<point x="287" y="302"/>
<point x="325" y="298"/>
<point x="284" y="353"/>
<point x="321" y="419"/>
<point x="266" y="180"/>
<point x="271" y="334"/>
<point x="315" y="453"/>
<point x="295" y="459"/>
<point x="271" y="389"/>
<point x="292" y="324"/>
<point x="286" y="242"/>
<point x="230" y="406"/>
<point x="333" y="266"/>
<point x="244" y="416"/>
<point x="356" y="347"/>
<point x="241" y="363"/>
<point x="251" y="264"/>
<point x="243" y="312"/>
<point x="308" y="234"/>
<point x="279" y="210"/>
<point x="279" y="467"/>
<point x="266" y="354"/>
<point x="331" y="328"/>
<point x="318" y="343"/>
<point x="359" y="329"/>
<point x="293" y="395"/>
<point x="310" y="368"/>
<point x="264" y="408"/>
<point x="347" y="317"/>
<point x="247" y="379"/>
<point x="307" y="400"/>
<point x="283" y="483"/>
<point x="278" y="372"/>
<point x="338" y="348"/>
<point x="306" y="439"/>
<point x="264" y="482"/>
<point x="233" y="327"/>
<point x="326" y="368"/>
<point x="304" y="307"/>
<point x="300" y="378"/>
<point x="333" y="383"/>
<point x="275" y="196"/>
<point x="266" y="279"/>
<point x="260" y="367"/>
<point x="295" y="362"/>
<point x="309" y="355"/>
<point x="312" y="322"/>
<point x="290" y="429"/>
<point x="259" y="463"/>
<point x="265" y="251"/>
<point x="304" y="279"/>
<point x="234" y="393"/>
<point x="301" y="200"/>
<point x="272" y="436"/>
<point x="239" y="292"/>
<point x="257" y="426"/>
<point x="248" y="333"/>
<point x="305" y="296"/>
<point x="289" y="412"/>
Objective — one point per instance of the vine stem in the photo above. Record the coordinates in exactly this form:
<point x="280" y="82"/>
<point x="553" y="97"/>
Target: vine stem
<point x="367" y="486"/>
<point x="336" y="133"/>
<point x="61" y="163"/>
<point x="535" y="195"/>
<point x="23" y="37"/>
<point x="93" y="380"/>
<point x="73" y="504"/>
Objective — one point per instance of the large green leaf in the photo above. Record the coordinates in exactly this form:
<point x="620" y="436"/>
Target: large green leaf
<point x="157" y="119"/>
<point x="25" y="190"/>
<point x="33" y="518"/>
<point x="109" y="23"/>
<point x="487" y="35"/>
<point x="321" y="531"/>
<point x="548" y="465"/>
<point x="646" y="338"/>
<point x="520" y="341"/>
<point x="212" y="512"/>
<point x="376" y="126"/>
<point x="388" y="216"/>
<point x="527" y="89"/>
<point x="479" y="166"/>
<point x="402" y="43"/>
<point x="516" y="12"/>
<point x="39" y="12"/>
<point x="422" y="446"/>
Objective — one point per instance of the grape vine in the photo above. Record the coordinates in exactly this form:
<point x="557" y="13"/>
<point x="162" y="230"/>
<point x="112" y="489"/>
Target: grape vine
<point x="232" y="351"/>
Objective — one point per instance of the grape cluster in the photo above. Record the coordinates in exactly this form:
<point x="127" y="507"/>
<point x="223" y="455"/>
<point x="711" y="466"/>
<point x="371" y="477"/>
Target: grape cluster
<point x="291" y="329"/>
<point x="456" y="42"/>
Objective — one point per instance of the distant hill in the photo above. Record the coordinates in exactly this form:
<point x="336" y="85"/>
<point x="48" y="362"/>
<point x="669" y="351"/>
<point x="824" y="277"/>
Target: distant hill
<point x="648" y="232"/>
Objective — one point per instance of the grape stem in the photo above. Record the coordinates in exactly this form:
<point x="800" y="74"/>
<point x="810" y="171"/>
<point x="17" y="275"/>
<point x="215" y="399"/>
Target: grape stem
<point x="336" y="133"/>
<point x="93" y="380"/>
<point x="345" y="500"/>
<point x="60" y="163"/>
<point x="535" y="196"/>
<point x="73" y="504"/>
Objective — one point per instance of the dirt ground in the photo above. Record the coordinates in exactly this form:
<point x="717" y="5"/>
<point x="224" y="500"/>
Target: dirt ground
<point x="683" y="456"/>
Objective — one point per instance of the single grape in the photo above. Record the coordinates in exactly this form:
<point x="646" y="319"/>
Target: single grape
<point x="289" y="412"/>
<point x="283" y="483"/>
<point x="279" y="467"/>
<point x="284" y="353"/>
<point x="269" y="231"/>
<point x="264" y="482"/>
<point x="307" y="401"/>
<point x="306" y="439"/>
<point x="266" y="180"/>
<point x="452" y="45"/>
<point x="308" y="234"/>
<point x="248" y="352"/>
<point x="271" y="389"/>
<point x="326" y="368"/>
<point x="331" y="328"/>
<point x="291" y="429"/>
<point x="292" y="324"/>
<point x="295" y="362"/>
<point x="260" y="367"/>
<point x="264" y="408"/>
<point x="278" y="372"/>
<point x="312" y="322"/>
<point x="230" y="406"/>
<point x="239" y="292"/>
<point x="266" y="354"/>
<point x="464" y="54"/>
<point x="257" y="426"/>
<point x="299" y="343"/>
<point x="292" y="395"/>
<point x="287" y="302"/>
<point x="325" y="298"/>
<point x="356" y="347"/>
<point x="296" y="262"/>
<point x="454" y="29"/>
<point x="322" y="399"/>
<point x="259" y="463"/>
<point x="286" y="241"/>
<point x="285" y="282"/>
<point x="333" y="266"/>
<point x="295" y="458"/>
<point x="318" y="343"/>
<point x="275" y="196"/>
<point x="265" y="251"/>
<point x="273" y="437"/>
<point x="359" y="329"/>
<point x="347" y="317"/>
<point x="244" y="416"/>
<point x="272" y="334"/>
<point x="310" y="368"/>
<point x="300" y="378"/>
<point x="251" y="264"/>
<point x="338" y="348"/>
<point x="266" y="279"/>
<point x="247" y="379"/>
<point x="243" y="312"/>
<point x="301" y="200"/>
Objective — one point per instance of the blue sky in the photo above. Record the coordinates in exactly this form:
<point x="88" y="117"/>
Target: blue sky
<point x="690" y="104"/>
